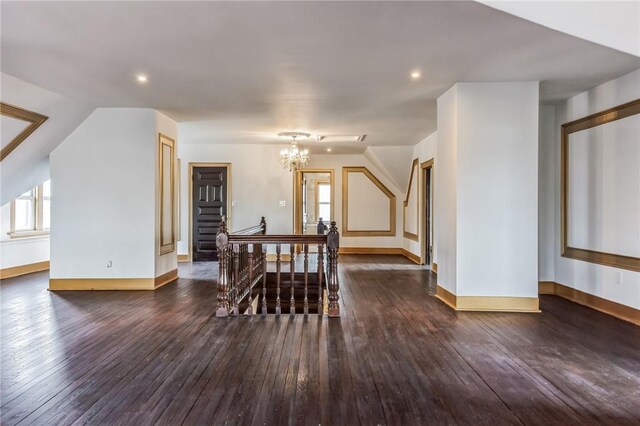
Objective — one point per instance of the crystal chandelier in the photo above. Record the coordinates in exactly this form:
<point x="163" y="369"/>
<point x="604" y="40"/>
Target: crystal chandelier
<point x="294" y="158"/>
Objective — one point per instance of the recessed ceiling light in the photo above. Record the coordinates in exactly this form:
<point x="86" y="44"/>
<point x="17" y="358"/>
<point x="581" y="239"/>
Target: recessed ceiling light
<point x="328" y="149"/>
<point x="141" y="78"/>
<point x="415" y="75"/>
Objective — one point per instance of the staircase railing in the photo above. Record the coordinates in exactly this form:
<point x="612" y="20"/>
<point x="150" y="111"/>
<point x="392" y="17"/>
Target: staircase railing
<point x="260" y="228"/>
<point x="242" y="258"/>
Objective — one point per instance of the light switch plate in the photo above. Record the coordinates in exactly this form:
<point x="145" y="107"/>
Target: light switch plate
<point x="283" y="203"/>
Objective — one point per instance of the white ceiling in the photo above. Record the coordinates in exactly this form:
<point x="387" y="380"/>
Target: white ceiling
<point x="28" y="165"/>
<point x="612" y="23"/>
<point x="239" y="72"/>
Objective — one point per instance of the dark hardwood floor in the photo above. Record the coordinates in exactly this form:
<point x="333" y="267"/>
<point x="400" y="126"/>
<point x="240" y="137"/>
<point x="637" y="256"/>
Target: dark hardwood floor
<point x="397" y="356"/>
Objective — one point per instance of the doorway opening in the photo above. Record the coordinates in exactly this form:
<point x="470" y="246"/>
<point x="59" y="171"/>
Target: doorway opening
<point x="427" y="212"/>
<point x="209" y="197"/>
<point x="314" y="200"/>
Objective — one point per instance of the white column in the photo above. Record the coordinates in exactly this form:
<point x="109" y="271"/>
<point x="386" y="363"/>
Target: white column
<point x="104" y="204"/>
<point x="487" y="194"/>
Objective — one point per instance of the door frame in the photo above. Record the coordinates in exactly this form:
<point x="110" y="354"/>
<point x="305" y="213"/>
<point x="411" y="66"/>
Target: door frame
<point x="297" y="198"/>
<point x="190" y="176"/>
<point x="424" y="166"/>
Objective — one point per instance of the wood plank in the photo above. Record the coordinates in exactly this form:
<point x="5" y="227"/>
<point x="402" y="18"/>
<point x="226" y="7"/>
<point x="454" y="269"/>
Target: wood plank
<point x="396" y="356"/>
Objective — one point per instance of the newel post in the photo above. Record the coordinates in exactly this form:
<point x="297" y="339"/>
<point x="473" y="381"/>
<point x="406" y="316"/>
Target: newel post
<point x="333" y="243"/>
<point x="263" y="223"/>
<point x="222" y="244"/>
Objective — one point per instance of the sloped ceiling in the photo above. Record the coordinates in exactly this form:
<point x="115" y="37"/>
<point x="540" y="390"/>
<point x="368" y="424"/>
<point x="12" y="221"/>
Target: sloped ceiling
<point x="615" y="24"/>
<point x="28" y="165"/>
<point x="393" y="161"/>
<point x="240" y="72"/>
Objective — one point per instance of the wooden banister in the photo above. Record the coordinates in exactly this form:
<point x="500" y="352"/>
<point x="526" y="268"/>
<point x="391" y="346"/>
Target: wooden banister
<point x="261" y="228"/>
<point x="238" y="272"/>
<point x="243" y="265"/>
<point x="278" y="239"/>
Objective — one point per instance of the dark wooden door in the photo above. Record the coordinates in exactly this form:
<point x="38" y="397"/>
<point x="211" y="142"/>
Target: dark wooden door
<point x="209" y="206"/>
<point x="427" y="215"/>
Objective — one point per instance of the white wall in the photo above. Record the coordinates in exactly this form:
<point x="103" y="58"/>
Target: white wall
<point x="368" y="206"/>
<point x="20" y="251"/>
<point x="423" y="151"/>
<point x="258" y="184"/>
<point x="337" y="162"/>
<point x="487" y="179"/>
<point x="104" y="180"/>
<point x="603" y="194"/>
<point x="497" y="239"/>
<point x="426" y="148"/>
<point x="28" y="165"/>
<point x="546" y="191"/>
<point x="164" y="262"/>
<point x="614" y="284"/>
<point x="445" y="205"/>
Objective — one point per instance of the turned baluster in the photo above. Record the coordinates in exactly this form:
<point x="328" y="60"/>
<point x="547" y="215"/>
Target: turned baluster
<point x="306" y="279"/>
<point x="264" y="280"/>
<point x="257" y="255"/>
<point x="320" y="275"/>
<point x="278" y="279"/>
<point x="236" y="276"/>
<point x="239" y="280"/>
<point x="245" y="271"/>
<point x="333" y="243"/>
<point x="250" y="300"/>
<point x="292" y="266"/>
<point x="243" y="267"/>
<point x="222" y="244"/>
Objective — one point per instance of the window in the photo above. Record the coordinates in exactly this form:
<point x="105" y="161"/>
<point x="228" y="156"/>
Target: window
<point x="46" y="205"/>
<point x="24" y="212"/>
<point x="31" y="212"/>
<point x="323" y="201"/>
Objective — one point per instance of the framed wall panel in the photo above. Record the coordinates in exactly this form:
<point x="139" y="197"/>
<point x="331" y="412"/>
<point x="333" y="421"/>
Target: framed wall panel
<point x="412" y="210"/>
<point x="600" y="188"/>
<point x="17" y="125"/>
<point x="349" y="229"/>
<point x="167" y="165"/>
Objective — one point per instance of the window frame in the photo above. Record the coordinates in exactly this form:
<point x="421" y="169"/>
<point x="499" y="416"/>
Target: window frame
<point x="317" y="199"/>
<point x="38" y="216"/>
